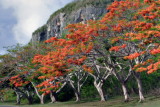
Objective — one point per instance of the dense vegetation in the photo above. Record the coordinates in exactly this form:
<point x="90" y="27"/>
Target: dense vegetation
<point x="116" y="55"/>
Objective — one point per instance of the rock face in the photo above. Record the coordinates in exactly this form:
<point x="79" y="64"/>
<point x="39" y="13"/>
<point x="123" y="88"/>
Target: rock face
<point x="40" y="35"/>
<point x="55" y="25"/>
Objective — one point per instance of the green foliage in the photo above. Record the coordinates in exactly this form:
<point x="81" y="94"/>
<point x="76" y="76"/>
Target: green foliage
<point x="14" y="48"/>
<point x="65" y="94"/>
<point x="88" y="90"/>
<point x="100" y="60"/>
<point x="150" y="81"/>
<point x="9" y="95"/>
<point x="64" y="33"/>
<point x="112" y="87"/>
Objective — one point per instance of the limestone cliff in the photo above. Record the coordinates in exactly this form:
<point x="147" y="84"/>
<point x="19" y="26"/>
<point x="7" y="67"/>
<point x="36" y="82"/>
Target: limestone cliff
<point x="77" y="11"/>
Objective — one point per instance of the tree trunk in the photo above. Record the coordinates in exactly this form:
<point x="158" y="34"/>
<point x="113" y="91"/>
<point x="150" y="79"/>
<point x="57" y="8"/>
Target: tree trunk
<point x="42" y="99"/>
<point x="2" y="100"/>
<point x="30" y="100"/>
<point x="78" y="98"/>
<point x="18" y="99"/>
<point x="78" y="95"/>
<point x="76" y="91"/>
<point x="125" y="92"/>
<point x="140" y="90"/>
<point x="100" y="91"/>
<point x="53" y="99"/>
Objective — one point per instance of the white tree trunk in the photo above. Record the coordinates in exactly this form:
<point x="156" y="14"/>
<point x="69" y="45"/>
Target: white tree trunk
<point x="77" y="96"/>
<point x="18" y="98"/>
<point x="140" y="90"/>
<point x="125" y="92"/>
<point x="53" y="99"/>
<point x="42" y="99"/>
<point x="100" y="91"/>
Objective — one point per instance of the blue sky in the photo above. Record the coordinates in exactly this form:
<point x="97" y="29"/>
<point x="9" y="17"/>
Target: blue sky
<point x="7" y="21"/>
<point x="19" y="18"/>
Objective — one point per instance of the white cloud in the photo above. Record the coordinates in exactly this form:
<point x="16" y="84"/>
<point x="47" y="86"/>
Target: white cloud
<point x="2" y="52"/>
<point x="30" y="14"/>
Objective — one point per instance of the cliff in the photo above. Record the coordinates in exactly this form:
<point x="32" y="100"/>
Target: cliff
<point x="77" y="11"/>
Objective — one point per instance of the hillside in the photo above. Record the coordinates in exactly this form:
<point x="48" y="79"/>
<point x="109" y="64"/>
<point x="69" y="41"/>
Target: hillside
<point x="74" y="12"/>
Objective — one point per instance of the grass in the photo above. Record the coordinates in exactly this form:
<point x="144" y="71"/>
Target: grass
<point x="150" y="101"/>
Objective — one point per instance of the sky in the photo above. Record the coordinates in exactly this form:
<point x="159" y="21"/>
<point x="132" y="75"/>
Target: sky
<point x="19" y="18"/>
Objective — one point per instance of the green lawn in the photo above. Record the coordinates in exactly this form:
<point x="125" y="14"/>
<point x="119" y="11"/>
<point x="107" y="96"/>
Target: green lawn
<point x="114" y="102"/>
